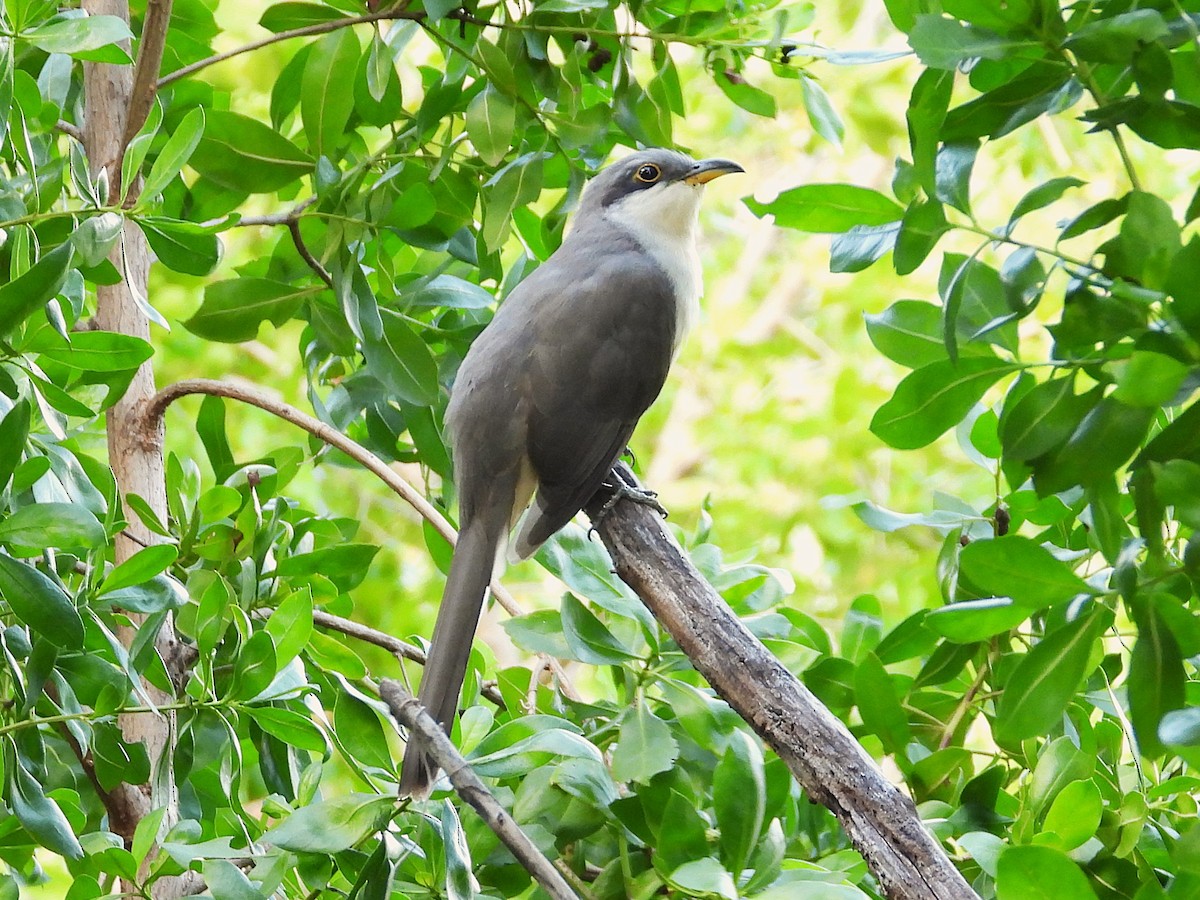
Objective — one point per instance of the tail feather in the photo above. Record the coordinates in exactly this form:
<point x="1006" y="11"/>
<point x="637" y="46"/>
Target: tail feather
<point x="466" y="586"/>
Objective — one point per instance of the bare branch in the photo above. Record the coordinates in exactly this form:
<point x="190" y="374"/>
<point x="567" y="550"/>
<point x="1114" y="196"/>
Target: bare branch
<point x="408" y="712"/>
<point x="829" y="764"/>
<point x="149" y="61"/>
<point x="293" y="225"/>
<point x="67" y="128"/>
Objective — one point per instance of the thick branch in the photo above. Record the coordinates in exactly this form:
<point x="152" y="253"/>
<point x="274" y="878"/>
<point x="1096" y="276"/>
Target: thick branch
<point x="829" y="764"/>
<point x="408" y="712"/>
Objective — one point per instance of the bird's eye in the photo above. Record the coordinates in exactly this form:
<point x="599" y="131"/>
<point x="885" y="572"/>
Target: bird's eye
<point x="649" y="173"/>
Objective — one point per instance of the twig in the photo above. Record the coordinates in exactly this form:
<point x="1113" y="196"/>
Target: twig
<point x="152" y="421"/>
<point x="393" y="645"/>
<point x="145" y="74"/>
<point x="304" y="31"/>
<point x="67" y="128"/>
<point x="881" y="822"/>
<point x="408" y="712"/>
<point x="293" y="226"/>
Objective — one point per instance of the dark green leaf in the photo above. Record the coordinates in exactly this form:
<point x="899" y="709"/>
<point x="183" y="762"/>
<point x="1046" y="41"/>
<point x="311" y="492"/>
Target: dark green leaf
<point x="233" y="310"/>
<point x="590" y="641"/>
<point x="26" y="294"/>
<point x="877" y="702"/>
<point x="403" y="362"/>
<point x="829" y="208"/>
<point x="14" y="432"/>
<point x="1106" y="438"/>
<point x="926" y="112"/>
<point x="1042" y="195"/>
<point x="325" y="103"/>
<point x="286" y="16"/>
<point x="242" y="154"/>
<point x="923" y="225"/>
<point x="39" y="814"/>
<point x="908" y="332"/>
<point x="1042" y="418"/>
<point x="1156" y="675"/>
<point x="1041" y="88"/>
<point x="40" y="603"/>
<point x="143" y="565"/>
<point x="747" y="96"/>
<point x="739" y="799"/>
<point x="175" y="153"/>
<point x="1115" y="39"/>
<point x="953" y="173"/>
<point x="933" y="399"/>
<point x="182" y="246"/>
<point x="254" y="668"/>
<point x="1183" y="285"/>
<point x="861" y="245"/>
<point x="1016" y="567"/>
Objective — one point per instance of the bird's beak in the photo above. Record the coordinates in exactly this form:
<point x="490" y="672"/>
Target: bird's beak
<point x="707" y="169"/>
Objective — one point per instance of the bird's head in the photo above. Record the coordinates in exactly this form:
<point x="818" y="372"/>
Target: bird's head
<point x="657" y="188"/>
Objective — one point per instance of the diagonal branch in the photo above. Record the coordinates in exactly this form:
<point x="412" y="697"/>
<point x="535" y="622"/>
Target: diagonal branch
<point x="149" y="61"/>
<point x="408" y="711"/>
<point x="881" y="822"/>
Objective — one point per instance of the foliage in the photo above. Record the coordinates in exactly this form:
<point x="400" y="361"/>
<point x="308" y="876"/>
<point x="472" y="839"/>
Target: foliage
<point x="1042" y="715"/>
<point x="1067" y="368"/>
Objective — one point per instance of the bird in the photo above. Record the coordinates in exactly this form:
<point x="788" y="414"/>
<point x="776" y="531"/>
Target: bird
<point x="549" y="393"/>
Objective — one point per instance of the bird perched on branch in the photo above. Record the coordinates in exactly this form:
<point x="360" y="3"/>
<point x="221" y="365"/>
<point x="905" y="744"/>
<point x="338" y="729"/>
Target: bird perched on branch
<point x="548" y="395"/>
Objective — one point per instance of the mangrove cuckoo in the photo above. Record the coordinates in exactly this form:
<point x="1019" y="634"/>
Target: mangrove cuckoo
<point x="549" y="393"/>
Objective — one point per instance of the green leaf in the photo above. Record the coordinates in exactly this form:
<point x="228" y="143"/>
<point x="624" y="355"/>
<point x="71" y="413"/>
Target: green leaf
<point x="1030" y="872"/>
<point x="24" y="295"/>
<point x="155" y="594"/>
<point x="1115" y="39"/>
<point x="325" y="102"/>
<point x="1016" y="567"/>
<point x="450" y="292"/>
<point x="824" y="118"/>
<point x="403" y="362"/>
<point x="908" y="332"/>
<point x="926" y="112"/>
<point x="1042" y="418"/>
<point x="254" y="668"/>
<point x="1041" y="88"/>
<point x="1157" y="680"/>
<point x="952" y="174"/>
<point x="242" y="154"/>
<point x="943" y="43"/>
<point x="286" y="16"/>
<point x="877" y="702"/>
<point x="703" y="878"/>
<point x="747" y="96"/>
<point x="333" y="562"/>
<point x="491" y="122"/>
<point x="78" y="37"/>
<point x="459" y="878"/>
<point x="14" y="432"/>
<point x="1106" y="438"/>
<point x="181" y="246"/>
<point x="233" y="310"/>
<point x="589" y="639"/>
<point x="1046" y="678"/>
<point x="645" y="746"/>
<point x="975" y="620"/>
<point x="935" y="398"/>
<point x="921" y="228"/>
<point x="539" y="632"/>
<point x="331" y="826"/>
<point x="291" y="625"/>
<point x="1074" y="816"/>
<point x="62" y="526"/>
<point x="1184" y="287"/>
<point x="828" y="208"/>
<point x="93" y="351"/>
<point x="1150" y="379"/>
<point x="142" y="566"/>
<point x="95" y="237"/>
<point x="175" y="153"/>
<point x="39" y="814"/>
<point x="1043" y="195"/>
<point x="861" y="245"/>
<point x="357" y="728"/>
<point x="739" y="799"/>
<point x="40" y="603"/>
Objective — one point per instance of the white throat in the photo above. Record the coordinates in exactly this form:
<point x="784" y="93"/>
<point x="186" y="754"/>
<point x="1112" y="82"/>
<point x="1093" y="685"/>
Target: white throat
<point x="664" y="220"/>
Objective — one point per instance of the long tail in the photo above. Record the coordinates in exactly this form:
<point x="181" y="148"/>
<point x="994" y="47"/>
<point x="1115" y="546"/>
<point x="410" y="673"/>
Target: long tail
<point x="466" y="586"/>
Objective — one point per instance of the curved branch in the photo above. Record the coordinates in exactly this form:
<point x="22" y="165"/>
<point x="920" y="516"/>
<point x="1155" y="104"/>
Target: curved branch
<point x="151" y="423"/>
<point x="408" y="712"/>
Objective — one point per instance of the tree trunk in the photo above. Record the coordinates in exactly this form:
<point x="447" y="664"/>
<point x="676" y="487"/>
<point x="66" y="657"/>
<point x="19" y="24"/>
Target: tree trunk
<point x="134" y="454"/>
